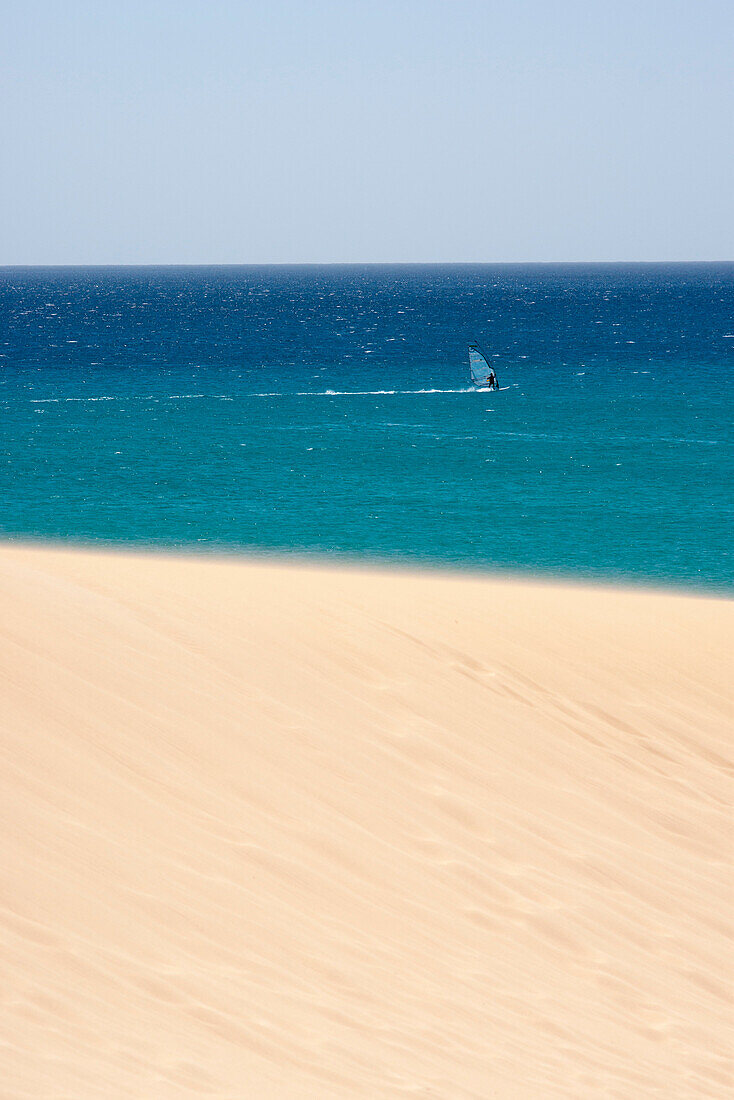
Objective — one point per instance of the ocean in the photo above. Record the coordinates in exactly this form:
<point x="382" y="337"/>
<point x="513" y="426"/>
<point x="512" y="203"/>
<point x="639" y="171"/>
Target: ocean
<point x="326" y="410"/>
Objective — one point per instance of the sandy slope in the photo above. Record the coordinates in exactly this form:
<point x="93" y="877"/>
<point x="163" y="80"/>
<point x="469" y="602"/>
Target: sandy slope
<point x="280" y="832"/>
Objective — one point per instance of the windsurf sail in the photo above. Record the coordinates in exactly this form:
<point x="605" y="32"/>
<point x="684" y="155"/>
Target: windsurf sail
<point x="479" y="367"/>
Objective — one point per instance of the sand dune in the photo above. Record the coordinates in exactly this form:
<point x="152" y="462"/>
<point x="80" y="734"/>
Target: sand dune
<point x="279" y="832"/>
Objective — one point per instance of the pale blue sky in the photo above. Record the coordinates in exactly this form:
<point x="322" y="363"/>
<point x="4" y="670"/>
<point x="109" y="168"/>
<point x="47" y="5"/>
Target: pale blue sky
<point x="185" y="131"/>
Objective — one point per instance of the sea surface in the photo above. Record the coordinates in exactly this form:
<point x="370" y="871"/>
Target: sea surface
<point x="327" y="410"/>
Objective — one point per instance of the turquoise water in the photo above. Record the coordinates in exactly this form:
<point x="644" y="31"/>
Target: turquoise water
<point x="326" y="410"/>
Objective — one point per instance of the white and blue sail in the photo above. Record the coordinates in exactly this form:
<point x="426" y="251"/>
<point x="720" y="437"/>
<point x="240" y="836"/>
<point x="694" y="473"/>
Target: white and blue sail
<point x="481" y="372"/>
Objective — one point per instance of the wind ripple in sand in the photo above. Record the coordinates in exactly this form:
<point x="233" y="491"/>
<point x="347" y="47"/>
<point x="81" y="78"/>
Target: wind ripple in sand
<point x="285" y="832"/>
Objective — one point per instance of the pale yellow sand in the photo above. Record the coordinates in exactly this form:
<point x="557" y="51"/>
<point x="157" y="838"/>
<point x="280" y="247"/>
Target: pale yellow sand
<point x="276" y="832"/>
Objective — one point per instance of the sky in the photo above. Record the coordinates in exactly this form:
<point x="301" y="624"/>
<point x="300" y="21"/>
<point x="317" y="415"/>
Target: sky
<point x="290" y="131"/>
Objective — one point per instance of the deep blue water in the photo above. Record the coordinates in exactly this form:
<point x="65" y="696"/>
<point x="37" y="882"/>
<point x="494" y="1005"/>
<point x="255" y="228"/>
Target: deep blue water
<point x="326" y="409"/>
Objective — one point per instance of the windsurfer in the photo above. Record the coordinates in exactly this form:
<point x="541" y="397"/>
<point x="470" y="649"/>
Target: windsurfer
<point x="482" y="374"/>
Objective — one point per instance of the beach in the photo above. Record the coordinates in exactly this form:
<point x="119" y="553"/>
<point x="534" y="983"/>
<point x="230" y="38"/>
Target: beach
<point x="286" y="830"/>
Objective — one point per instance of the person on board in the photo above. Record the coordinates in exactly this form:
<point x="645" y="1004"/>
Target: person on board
<point x="492" y="381"/>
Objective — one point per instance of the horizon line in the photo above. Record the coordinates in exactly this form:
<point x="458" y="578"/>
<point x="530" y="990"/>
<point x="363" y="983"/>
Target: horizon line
<point x="365" y="263"/>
